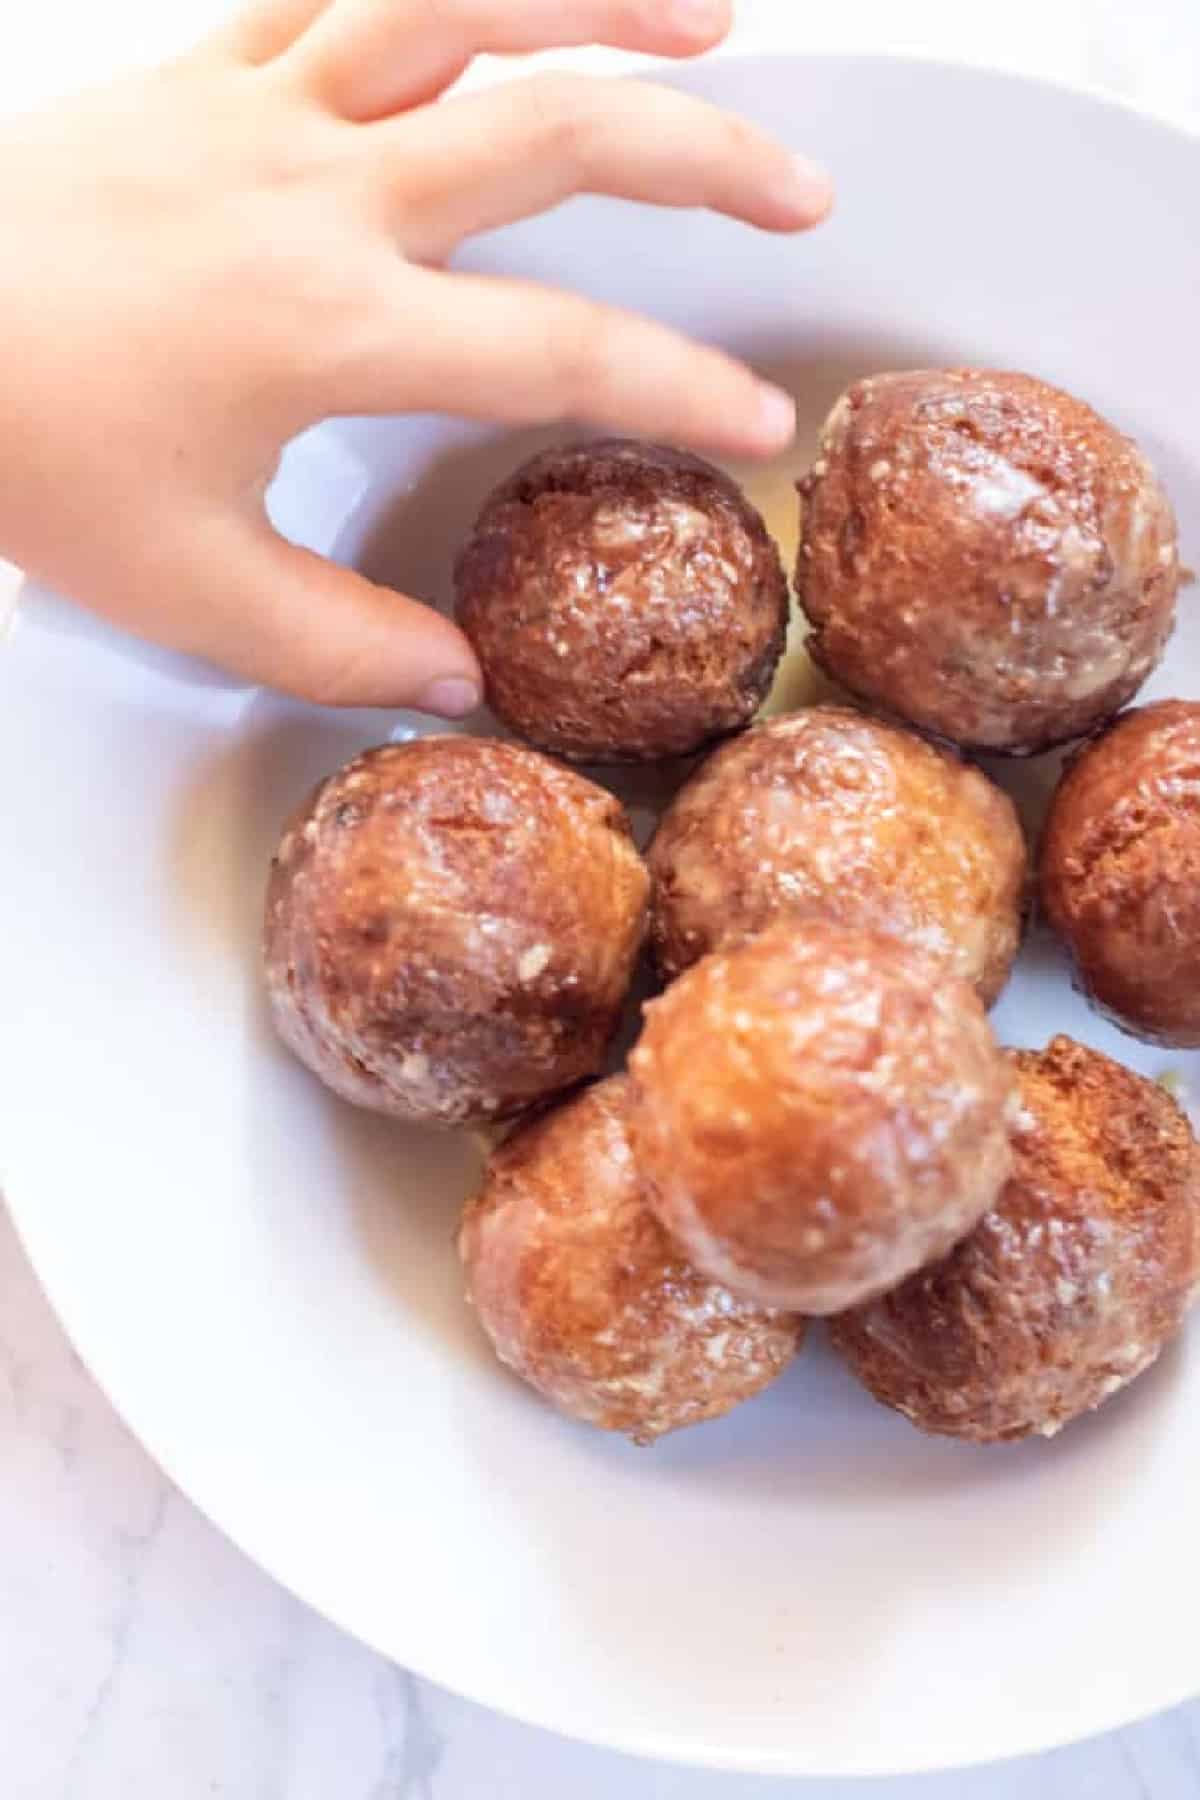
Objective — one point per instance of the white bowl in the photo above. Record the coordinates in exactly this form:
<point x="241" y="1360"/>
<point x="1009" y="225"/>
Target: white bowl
<point x="264" y="1280"/>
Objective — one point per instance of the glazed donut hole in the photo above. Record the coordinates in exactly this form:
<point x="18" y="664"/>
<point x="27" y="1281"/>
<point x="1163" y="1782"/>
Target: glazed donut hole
<point x="584" y="1296"/>
<point x="1120" y="871"/>
<point x="817" y="1112"/>
<point x="984" y="556"/>
<point x="625" y="601"/>
<point x="1070" y="1286"/>
<point x="828" y="813"/>
<point x="452" y="926"/>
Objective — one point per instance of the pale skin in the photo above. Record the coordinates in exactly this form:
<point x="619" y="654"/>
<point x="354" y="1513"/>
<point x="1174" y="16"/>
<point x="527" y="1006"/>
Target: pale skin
<point x="221" y="252"/>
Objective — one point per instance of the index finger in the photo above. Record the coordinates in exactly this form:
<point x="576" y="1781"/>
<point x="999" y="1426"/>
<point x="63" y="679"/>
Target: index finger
<point x="369" y="59"/>
<point x="495" y="348"/>
<point x="483" y="160"/>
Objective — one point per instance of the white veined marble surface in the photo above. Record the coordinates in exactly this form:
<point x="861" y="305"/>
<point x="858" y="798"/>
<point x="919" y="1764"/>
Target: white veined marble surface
<point x="141" y="1656"/>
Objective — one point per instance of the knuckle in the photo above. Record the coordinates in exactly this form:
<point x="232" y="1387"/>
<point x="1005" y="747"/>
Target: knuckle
<point x="739" y="141"/>
<point x="563" y="108"/>
<point x="584" y="355"/>
<point x="441" y="17"/>
<point x="642" y="19"/>
<point x="424" y="15"/>
<point x="329" y="679"/>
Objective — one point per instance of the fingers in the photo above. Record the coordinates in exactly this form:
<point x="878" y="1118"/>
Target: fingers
<point x="266" y="28"/>
<point x="482" y="160"/>
<point x="512" y="350"/>
<point x="290" y="620"/>
<point x="369" y="58"/>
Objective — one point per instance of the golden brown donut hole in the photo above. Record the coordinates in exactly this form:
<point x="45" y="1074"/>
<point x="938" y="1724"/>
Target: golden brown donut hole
<point x="451" y="928"/>
<point x="830" y="813"/>
<point x="1070" y="1285"/>
<point x="1120" y="870"/>
<point x="817" y="1112"/>
<point x="985" y="556"/>
<point x="625" y="602"/>
<point x="585" y="1297"/>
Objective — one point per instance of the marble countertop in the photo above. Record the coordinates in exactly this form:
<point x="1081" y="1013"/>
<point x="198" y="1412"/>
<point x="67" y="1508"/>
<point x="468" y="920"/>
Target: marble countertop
<point x="141" y="1656"/>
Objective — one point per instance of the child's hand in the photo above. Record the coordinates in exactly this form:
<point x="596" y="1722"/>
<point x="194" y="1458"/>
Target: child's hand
<point x="204" y="260"/>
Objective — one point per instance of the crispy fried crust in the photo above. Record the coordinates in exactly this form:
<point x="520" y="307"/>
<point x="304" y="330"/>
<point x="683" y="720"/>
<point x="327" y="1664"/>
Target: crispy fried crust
<point x="1070" y="1286"/>
<point x="818" y="1112"/>
<point x="831" y="813"/>
<point x="625" y="601"/>
<point x="585" y="1297"/>
<point x="1120" y="870"/>
<point x="451" y="928"/>
<point x="985" y="556"/>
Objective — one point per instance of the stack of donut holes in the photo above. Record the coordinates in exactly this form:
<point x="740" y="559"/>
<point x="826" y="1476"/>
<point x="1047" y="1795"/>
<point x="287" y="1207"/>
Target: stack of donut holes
<point x="817" y="1118"/>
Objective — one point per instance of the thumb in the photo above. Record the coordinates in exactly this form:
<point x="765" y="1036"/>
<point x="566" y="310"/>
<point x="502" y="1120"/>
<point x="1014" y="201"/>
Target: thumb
<point x="293" y="621"/>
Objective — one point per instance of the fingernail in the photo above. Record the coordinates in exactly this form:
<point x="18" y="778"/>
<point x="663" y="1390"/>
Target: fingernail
<point x="776" y="417"/>
<point x="451" y="697"/>
<point x="812" y="188"/>
<point x="698" y="18"/>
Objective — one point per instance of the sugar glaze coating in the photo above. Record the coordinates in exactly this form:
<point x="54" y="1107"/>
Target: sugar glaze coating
<point x="1070" y="1286"/>
<point x="451" y="928"/>
<point x="625" y="601"/>
<point x="586" y="1298"/>
<point x="986" y="556"/>
<point x="828" y="812"/>
<point x="817" y="1112"/>
<point x="1120" y="870"/>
